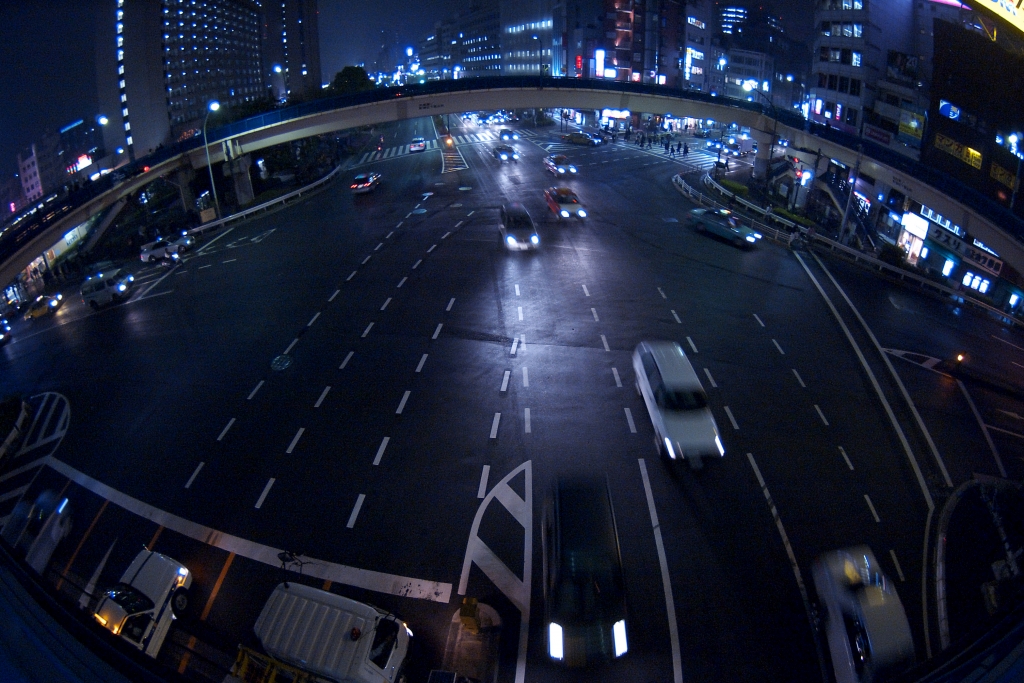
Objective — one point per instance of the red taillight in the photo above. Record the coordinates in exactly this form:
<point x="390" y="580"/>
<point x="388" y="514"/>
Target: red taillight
<point x="354" y="186"/>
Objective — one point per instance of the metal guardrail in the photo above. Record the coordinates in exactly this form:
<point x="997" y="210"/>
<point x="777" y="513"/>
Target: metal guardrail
<point x="766" y="230"/>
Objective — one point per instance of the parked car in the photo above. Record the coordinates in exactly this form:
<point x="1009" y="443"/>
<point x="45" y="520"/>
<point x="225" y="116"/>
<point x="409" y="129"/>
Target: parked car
<point x="564" y="203"/>
<point x="505" y="153"/>
<point x="724" y="224"/>
<point x="518" y="233"/>
<point x="508" y="134"/>
<point x="578" y="138"/>
<point x="43" y="306"/>
<point x="160" y="249"/>
<point x="106" y="287"/>
<point x="365" y="182"/>
<point x="559" y="165"/>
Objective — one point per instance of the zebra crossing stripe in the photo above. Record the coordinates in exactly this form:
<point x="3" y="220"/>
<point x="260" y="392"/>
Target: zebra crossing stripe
<point x="364" y="158"/>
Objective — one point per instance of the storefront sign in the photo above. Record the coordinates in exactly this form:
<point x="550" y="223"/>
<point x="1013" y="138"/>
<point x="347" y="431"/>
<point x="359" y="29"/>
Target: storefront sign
<point x="946" y="238"/>
<point x="959" y="150"/>
<point x="1001" y="175"/>
<point x="979" y="257"/>
<point x="877" y="134"/>
<point x="915" y="225"/>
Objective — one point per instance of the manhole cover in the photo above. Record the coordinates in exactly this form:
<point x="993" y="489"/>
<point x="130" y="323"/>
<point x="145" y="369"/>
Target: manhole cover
<point x="419" y="211"/>
<point x="281" y="362"/>
<point x="465" y="188"/>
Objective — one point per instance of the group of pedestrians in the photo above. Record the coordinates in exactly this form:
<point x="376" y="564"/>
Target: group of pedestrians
<point x="680" y="148"/>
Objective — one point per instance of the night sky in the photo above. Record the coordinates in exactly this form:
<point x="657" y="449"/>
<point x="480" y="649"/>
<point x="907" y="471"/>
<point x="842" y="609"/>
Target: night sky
<point x="49" y="75"/>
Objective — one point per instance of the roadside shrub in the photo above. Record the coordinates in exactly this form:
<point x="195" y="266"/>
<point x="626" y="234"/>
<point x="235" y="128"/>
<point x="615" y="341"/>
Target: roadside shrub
<point x="733" y="186"/>
<point x="893" y="255"/>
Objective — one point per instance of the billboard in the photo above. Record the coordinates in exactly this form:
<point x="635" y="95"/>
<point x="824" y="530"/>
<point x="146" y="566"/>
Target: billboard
<point x="1009" y="11"/>
<point x="901" y="68"/>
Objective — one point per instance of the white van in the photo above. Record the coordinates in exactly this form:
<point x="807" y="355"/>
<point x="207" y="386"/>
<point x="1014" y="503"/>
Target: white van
<point x="327" y="635"/>
<point x="107" y="287"/>
<point x="152" y="593"/>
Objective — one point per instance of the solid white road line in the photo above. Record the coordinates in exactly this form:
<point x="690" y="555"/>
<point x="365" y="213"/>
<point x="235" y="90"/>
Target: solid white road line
<point x="732" y="420"/>
<point x="604" y="341"/>
<point x="798" y="379"/>
<point x="253" y="392"/>
<point x="629" y="419"/>
<point x="347" y="359"/>
<point x="842" y="452"/>
<point x="385" y="304"/>
<point x="821" y="414"/>
<point x="481" y="490"/>
<point x="423" y="359"/>
<point x="899" y="569"/>
<point x="263" y="496"/>
<point x="401" y="405"/>
<point x="594" y="311"/>
<point x="295" y="439"/>
<point x="366" y="259"/>
<point x="225" y="430"/>
<point x="313" y="319"/>
<point x="778" y="347"/>
<point x="202" y="252"/>
<point x="416" y="265"/>
<point x="526" y="417"/>
<point x="666" y="580"/>
<point x="191" y="479"/>
<point x="615" y="373"/>
<point x="515" y="345"/>
<point x="874" y="514"/>
<point x="710" y="378"/>
<point x="291" y="346"/>
<point x="676" y="316"/>
<point x="517" y="290"/>
<point x="520" y="312"/>
<point x="662" y="292"/>
<point x="984" y="429"/>
<point x="355" y="510"/>
<point x="432" y="248"/>
<point x="586" y="292"/>
<point x="336" y="292"/>
<point x="402" y="281"/>
<point x="367" y="330"/>
<point x="504" y="380"/>
<point x="322" y="396"/>
<point x="526" y="377"/>
<point x="380" y="450"/>
<point x="451" y="303"/>
<point x="761" y="322"/>
<point x="692" y="345"/>
<point x="437" y="330"/>
<point x="494" y="425"/>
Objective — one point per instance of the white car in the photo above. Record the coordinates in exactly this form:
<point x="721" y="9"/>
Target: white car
<point x="683" y="424"/>
<point x="152" y="593"/>
<point x="518" y="233"/>
<point x="417" y="145"/>
<point x="185" y="242"/>
<point x="865" y="624"/>
<point x="107" y="287"/>
<point x="160" y="249"/>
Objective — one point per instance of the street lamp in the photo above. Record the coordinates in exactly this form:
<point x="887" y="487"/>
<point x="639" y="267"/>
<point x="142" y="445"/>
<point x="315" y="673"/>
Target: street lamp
<point x="212" y="107"/>
<point x="751" y="86"/>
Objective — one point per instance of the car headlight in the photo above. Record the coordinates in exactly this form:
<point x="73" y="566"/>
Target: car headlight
<point x="535" y="239"/>
<point x="751" y="239"/>
<point x="721" y="448"/>
<point x="511" y="240"/>
<point x="131" y="278"/>
<point x="757" y="235"/>
<point x="515" y="156"/>
<point x="555" y="647"/>
<point x="561" y="170"/>
<point x="619" y="637"/>
<point x="515" y="136"/>
<point x="53" y="303"/>
<point x="564" y="213"/>
<point x="121" y="287"/>
<point x="669" y="449"/>
<point x="581" y="213"/>
<point x="504" y="157"/>
<point x="572" y="169"/>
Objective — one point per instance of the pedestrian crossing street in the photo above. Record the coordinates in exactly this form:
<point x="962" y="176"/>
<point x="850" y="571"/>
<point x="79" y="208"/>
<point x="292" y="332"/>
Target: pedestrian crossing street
<point x="697" y="159"/>
<point x="467" y="139"/>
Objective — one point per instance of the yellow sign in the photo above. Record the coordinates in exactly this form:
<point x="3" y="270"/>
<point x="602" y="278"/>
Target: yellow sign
<point x="1003" y="176"/>
<point x="1009" y="11"/>
<point x="911" y="124"/>
<point x="959" y="150"/>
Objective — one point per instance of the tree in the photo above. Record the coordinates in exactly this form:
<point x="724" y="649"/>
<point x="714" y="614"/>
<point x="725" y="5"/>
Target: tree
<point x="351" y="79"/>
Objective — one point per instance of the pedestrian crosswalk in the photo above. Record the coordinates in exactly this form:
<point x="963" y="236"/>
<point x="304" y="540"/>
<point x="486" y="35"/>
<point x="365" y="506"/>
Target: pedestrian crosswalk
<point x="465" y="139"/>
<point x="50" y="416"/>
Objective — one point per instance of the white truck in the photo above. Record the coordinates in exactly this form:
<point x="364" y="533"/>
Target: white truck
<point x="740" y="147"/>
<point x="315" y="636"/>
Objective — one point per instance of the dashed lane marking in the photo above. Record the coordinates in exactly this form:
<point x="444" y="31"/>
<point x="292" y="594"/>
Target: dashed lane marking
<point x="710" y="378"/>
<point x="732" y="420"/>
<point x="266" y="490"/>
<point x="347" y="359"/>
<point x="798" y="378"/>
<point x="225" y="430"/>
<point x="692" y="345"/>
<point x="380" y="450"/>
<point x="355" y="510"/>
<point x="423" y="359"/>
<point x="874" y="513"/>
<point x="615" y="374"/>
<point x="494" y="425"/>
<point x="323" y="395"/>
<point x="604" y="341"/>
<point x="629" y="419"/>
<point x="195" y="473"/>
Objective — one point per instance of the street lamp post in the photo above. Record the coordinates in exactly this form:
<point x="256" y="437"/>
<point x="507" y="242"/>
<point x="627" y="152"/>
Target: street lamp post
<point x="212" y="107"/>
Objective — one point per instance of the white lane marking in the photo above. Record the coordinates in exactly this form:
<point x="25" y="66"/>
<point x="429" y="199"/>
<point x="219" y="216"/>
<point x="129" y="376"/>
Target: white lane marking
<point x="388" y="236"/>
<point x="798" y="379"/>
<point x="385" y="304"/>
<point x="1007" y="343"/>
<point x="520" y="312"/>
<point x="710" y="378"/>
<point x="295" y="439"/>
<point x="451" y="303"/>
<point x="842" y="452"/>
<point x="984" y="429"/>
<point x="526" y="377"/>
<point x="662" y="292"/>
<point x="692" y="345"/>
<point x="676" y="316"/>
<point x="313" y="319"/>
<point x="416" y="265"/>
<point x="594" y="311"/>
<point x="470" y="213"/>
<point x="322" y="569"/>
<point x="761" y="322"/>
<point x="526" y="417"/>
<point x="336" y="292"/>
<point x="821" y="414"/>
<point x="266" y="490"/>
<point x="399" y="224"/>
<point x="351" y="275"/>
<point x="377" y="248"/>
<point x="180" y="272"/>
<point x="402" y="281"/>
<point x="253" y="392"/>
<point x="206" y="247"/>
<point x="437" y="330"/>
<point x="666" y="581"/>
<point x="778" y="347"/>
<point x="408" y="214"/>
<point x="195" y="473"/>
<point x="586" y="292"/>
<point x="494" y="425"/>
<point x="504" y="380"/>
<point x="367" y="330"/>
<point x="225" y="430"/>
<point x="206" y="266"/>
<point x="291" y="346"/>
<point x="481" y="490"/>
<point x="515" y="345"/>
<point x="517" y="290"/>
<point x="432" y="248"/>
<point x="458" y="224"/>
<point x="366" y="259"/>
<point x="416" y="207"/>
<point x="147" y="290"/>
<point x="732" y="420"/>
<point x="899" y="569"/>
<point x="445" y="236"/>
<point x="380" y="450"/>
<point x="522" y="342"/>
<point x="423" y="359"/>
<point x="604" y="341"/>
<point x="629" y="419"/>
<point x="615" y="373"/>
<point x="323" y="395"/>
<point x="874" y="514"/>
<point x="348" y="357"/>
<point x="401" y="405"/>
<point x="355" y="510"/>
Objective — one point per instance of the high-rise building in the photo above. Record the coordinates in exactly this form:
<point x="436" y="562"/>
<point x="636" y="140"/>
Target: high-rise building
<point x="479" y="36"/>
<point x="81" y="144"/>
<point x="39" y="168"/>
<point x="291" y="48"/>
<point x="698" y="59"/>
<point x="526" y="37"/>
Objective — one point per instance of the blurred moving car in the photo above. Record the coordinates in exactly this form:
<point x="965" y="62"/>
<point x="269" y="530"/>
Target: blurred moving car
<point x="723" y="223"/>
<point x="603" y="135"/>
<point x="5" y="331"/>
<point x="579" y="138"/>
<point x="584" y="590"/>
<point x="105" y="288"/>
<point x="365" y="182"/>
<point x="160" y="249"/>
<point x="865" y="624"/>
<point x="508" y="134"/>
<point x="683" y="424"/>
<point x="518" y="233"/>
<point x="505" y="153"/>
<point x="564" y="203"/>
<point x="44" y="305"/>
<point x="417" y="145"/>
<point x="559" y="165"/>
<point x="702" y="133"/>
<point x="38" y="528"/>
<point x="151" y="594"/>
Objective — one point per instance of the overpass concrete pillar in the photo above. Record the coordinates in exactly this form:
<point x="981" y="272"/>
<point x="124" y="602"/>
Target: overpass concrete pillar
<point x="764" y="145"/>
<point x="183" y="179"/>
<point x="238" y="169"/>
